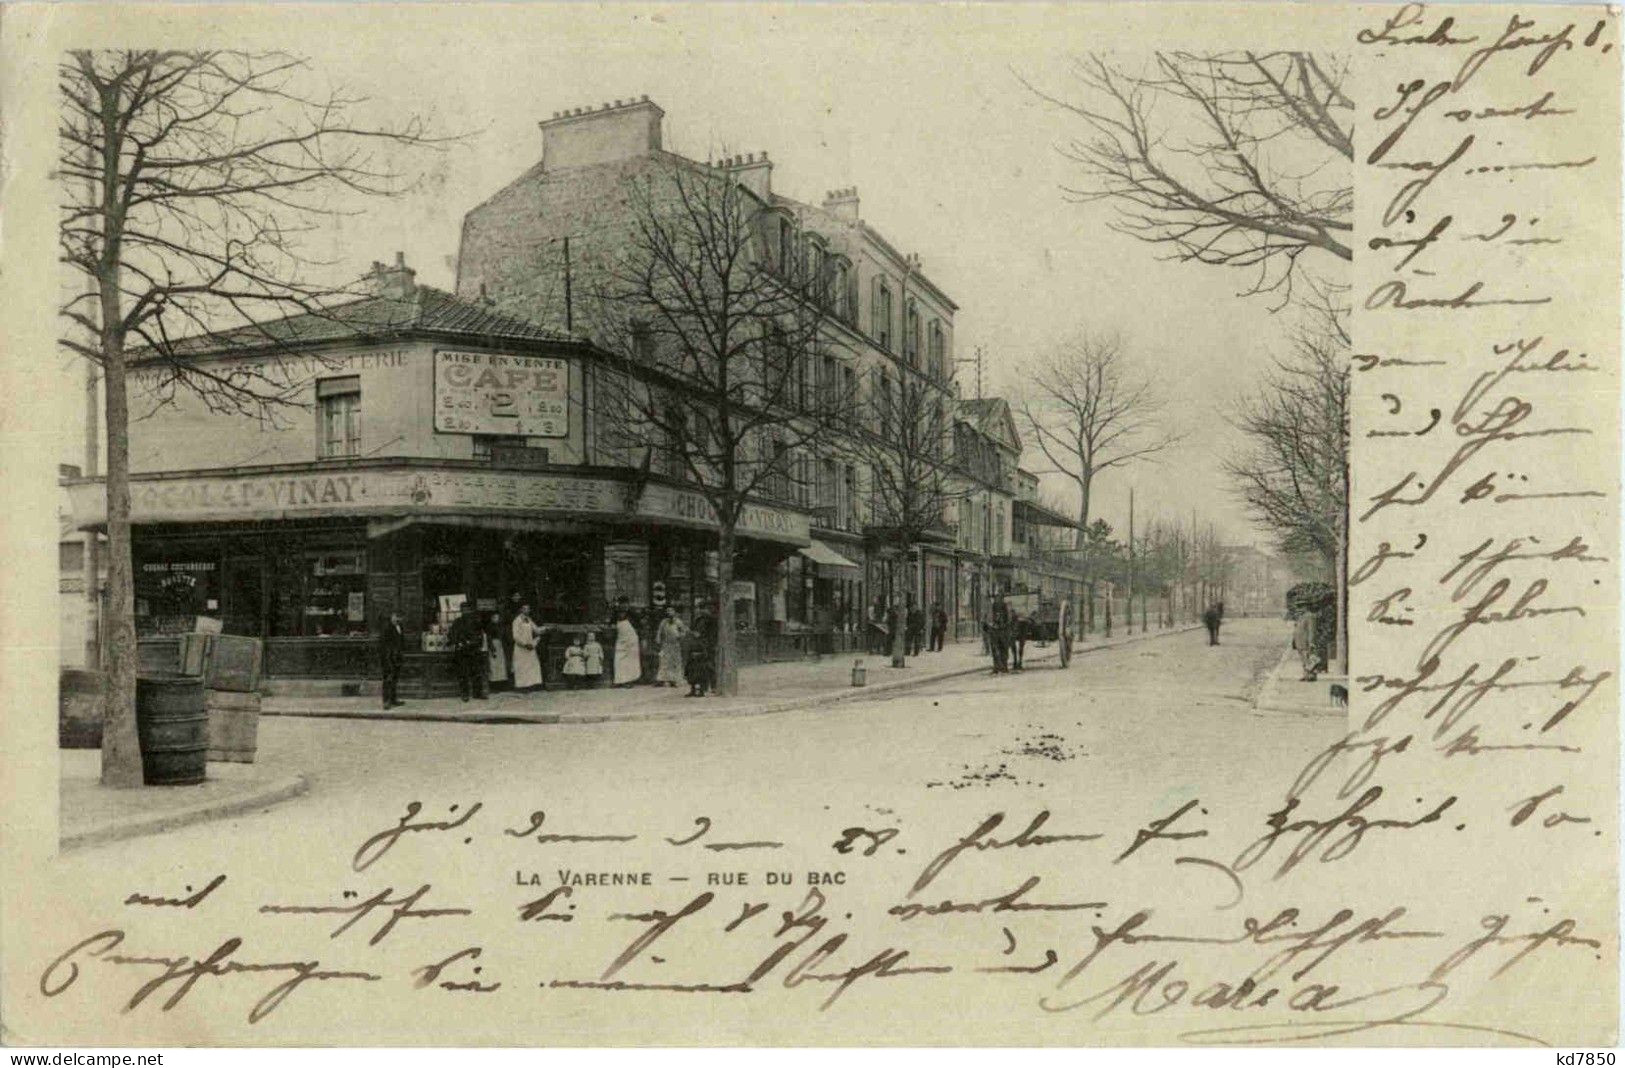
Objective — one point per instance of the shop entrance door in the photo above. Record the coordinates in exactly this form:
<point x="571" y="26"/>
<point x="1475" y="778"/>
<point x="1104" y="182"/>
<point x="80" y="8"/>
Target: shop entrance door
<point x="554" y="574"/>
<point x="243" y="609"/>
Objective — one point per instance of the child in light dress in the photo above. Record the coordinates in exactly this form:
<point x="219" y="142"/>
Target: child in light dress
<point x="575" y="664"/>
<point x="594" y="655"/>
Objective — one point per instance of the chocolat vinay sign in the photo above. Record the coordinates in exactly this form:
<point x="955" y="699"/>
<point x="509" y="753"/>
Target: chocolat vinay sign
<point x="493" y="393"/>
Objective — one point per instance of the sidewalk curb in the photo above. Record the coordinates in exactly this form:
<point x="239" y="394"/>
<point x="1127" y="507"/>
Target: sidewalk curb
<point x="277" y="790"/>
<point x="1269" y="702"/>
<point x="818" y="700"/>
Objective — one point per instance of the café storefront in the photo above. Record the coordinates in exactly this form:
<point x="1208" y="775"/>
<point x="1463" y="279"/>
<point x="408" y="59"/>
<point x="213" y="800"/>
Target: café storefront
<point x="313" y="559"/>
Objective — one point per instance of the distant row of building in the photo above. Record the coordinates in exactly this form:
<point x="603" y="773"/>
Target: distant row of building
<point x="447" y="447"/>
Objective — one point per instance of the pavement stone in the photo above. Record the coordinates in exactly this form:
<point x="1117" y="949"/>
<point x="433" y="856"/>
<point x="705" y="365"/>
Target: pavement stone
<point x="765" y="689"/>
<point x="92" y="814"/>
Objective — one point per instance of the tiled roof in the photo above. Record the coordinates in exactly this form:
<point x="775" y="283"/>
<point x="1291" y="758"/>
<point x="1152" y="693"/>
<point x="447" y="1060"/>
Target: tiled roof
<point x="430" y="310"/>
<point x="982" y="407"/>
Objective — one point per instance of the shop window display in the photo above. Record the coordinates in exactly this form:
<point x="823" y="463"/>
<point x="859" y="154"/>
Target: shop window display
<point x="172" y="592"/>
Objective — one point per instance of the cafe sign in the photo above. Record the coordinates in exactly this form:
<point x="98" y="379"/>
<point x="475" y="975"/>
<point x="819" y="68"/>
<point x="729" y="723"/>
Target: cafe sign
<point x="500" y="393"/>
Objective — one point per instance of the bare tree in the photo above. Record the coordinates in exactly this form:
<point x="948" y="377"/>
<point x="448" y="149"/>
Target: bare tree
<point x="903" y="439"/>
<point x="1090" y="412"/>
<point x="189" y="181"/>
<point x="1239" y="159"/>
<point x="716" y="339"/>
<point x="1293" y="472"/>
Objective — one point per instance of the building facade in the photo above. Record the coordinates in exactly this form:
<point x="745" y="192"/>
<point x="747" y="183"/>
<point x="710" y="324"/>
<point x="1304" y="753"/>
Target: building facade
<point x="433" y="452"/>
<point x="537" y="247"/>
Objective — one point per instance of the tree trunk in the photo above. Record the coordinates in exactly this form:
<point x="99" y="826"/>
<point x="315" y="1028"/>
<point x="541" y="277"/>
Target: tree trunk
<point x="727" y="632"/>
<point x="121" y="748"/>
<point x="93" y="539"/>
<point x="899" y="603"/>
<point x="1340" y="581"/>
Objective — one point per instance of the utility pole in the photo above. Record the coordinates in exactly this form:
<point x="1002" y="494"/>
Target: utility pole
<point x="1128" y="622"/>
<point x="977" y="360"/>
<point x="569" y="307"/>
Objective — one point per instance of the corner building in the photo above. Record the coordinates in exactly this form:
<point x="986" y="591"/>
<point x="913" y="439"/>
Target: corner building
<point x="436" y="451"/>
<point x="534" y="248"/>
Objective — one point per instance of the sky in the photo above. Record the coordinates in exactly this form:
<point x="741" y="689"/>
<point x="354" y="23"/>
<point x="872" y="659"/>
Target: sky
<point x="920" y="109"/>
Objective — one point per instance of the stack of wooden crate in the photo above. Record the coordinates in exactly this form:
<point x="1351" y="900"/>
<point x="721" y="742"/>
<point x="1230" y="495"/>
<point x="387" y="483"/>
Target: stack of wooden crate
<point x="230" y="666"/>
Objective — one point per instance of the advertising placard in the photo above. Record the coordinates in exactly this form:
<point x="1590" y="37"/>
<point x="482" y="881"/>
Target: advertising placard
<point x="497" y="393"/>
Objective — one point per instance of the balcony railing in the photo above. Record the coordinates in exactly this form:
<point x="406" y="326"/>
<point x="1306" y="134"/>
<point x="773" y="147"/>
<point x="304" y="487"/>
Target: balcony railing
<point x="830" y="517"/>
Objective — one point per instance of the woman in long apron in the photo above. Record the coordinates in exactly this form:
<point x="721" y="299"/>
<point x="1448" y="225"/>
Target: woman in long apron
<point x="669" y="639"/>
<point x="628" y="658"/>
<point x="496" y="656"/>
<point x="527" y="668"/>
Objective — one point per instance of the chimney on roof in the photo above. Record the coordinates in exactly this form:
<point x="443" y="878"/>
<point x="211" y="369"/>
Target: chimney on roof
<point x="755" y="174"/>
<point x="396" y="283"/>
<point x="581" y="137"/>
<point x="843" y="202"/>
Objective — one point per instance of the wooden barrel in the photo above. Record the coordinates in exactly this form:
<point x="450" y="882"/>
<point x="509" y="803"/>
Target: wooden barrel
<point x="79" y="709"/>
<point x="173" y="727"/>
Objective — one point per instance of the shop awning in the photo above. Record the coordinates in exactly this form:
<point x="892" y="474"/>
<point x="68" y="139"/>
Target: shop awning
<point x="831" y="564"/>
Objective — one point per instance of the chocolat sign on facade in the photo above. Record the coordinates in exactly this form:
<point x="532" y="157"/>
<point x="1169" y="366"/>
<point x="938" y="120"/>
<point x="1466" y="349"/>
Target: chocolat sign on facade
<point x="342" y="493"/>
<point x="497" y="393"/>
<point x="410" y="489"/>
<point x="755" y="520"/>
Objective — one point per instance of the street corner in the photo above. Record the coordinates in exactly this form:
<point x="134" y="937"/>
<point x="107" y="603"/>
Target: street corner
<point x="91" y="814"/>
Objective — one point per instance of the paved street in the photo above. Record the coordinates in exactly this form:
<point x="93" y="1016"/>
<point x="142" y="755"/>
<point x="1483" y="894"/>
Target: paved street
<point x="1160" y="715"/>
<point x="1127" y="735"/>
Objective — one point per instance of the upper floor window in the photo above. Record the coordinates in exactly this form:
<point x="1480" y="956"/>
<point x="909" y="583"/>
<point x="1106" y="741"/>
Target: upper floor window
<point x="937" y="350"/>
<point x="817" y="282"/>
<point x="887" y="407"/>
<point x="787" y="245"/>
<point x="841" y="295"/>
<point x="911" y="334"/>
<point x="882" y="326"/>
<point x="338" y="414"/>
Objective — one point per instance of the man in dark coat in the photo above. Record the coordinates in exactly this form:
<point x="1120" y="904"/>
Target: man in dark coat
<point x="700" y="663"/>
<point x="467" y="640"/>
<point x="391" y="651"/>
<point x="916" y="630"/>
<point x="1211" y="619"/>
<point x="891" y="629"/>
<point x="998" y="636"/>
<point x="939" y="628"/>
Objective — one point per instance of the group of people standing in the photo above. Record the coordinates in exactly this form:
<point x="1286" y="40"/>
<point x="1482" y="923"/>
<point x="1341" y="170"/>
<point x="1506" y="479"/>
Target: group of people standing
<point x="687" y="653"/>
<point x="883" y="624"/>
<point x="495" y="654"/>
